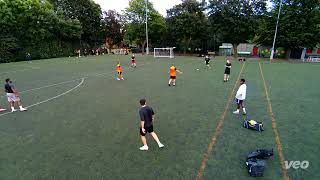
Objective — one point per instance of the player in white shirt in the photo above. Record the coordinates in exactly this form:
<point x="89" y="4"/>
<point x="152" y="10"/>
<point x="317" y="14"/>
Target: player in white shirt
<point x="241" y="96"/>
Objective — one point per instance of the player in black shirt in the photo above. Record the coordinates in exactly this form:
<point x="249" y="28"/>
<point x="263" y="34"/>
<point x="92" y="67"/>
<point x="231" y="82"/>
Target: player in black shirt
<point x="207" y="61"/>
<point x="13" y="96"/>
<point x="146" y="126"/>
<point x="227" y="71"/>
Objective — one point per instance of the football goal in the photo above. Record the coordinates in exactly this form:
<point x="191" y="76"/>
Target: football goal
<point x="163" y="52"/>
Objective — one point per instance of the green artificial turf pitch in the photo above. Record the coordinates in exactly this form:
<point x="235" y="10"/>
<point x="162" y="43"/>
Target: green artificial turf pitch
<point x="83" y="124"/>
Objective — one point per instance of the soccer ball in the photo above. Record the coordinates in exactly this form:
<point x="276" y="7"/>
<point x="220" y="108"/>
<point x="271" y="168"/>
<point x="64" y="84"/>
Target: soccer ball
<point x="197" y="69"/>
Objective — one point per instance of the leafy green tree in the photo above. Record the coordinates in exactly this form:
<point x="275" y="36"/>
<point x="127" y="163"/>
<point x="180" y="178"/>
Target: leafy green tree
<point x="299" y="25"/>
<point x="187" y="24"/>
<point x="135" y="24"/>
<point x="33" y="26"/>
<point x="87" y="12"/>
<point x="113" y="28"/>
<point x="236" y="20"/>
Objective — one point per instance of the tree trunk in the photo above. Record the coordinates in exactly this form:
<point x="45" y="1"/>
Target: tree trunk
<point x="109" y="44"/>
<point x="110" y="49"/>
<point x="288" y="53"/>
<point x="188" y="42"/>
<point x="303" y="53"/>
<point x="235" y="50"/>
<point x="143" y="47"/>
<point x="184" y="42"/>
<point x="185" y="50"/>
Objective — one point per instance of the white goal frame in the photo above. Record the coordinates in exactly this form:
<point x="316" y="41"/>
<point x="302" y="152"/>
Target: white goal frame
<point x="157" y="55"/>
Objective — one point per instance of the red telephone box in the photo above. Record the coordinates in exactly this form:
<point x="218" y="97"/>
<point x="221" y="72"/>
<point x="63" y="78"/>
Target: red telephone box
<point x="255" y="51"/>
<point x="309" y="51"/>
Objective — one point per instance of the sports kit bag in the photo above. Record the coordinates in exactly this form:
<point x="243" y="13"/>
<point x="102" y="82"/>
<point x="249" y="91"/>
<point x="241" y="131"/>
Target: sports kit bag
<point x="254" y="125"/>
<point x="256" y="167"/>
<point x="256" y="162"/>
<point x="260" y="154"/>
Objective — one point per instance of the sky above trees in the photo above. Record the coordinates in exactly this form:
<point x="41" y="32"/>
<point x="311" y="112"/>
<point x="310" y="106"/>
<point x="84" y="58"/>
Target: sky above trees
<point x="160" y="5"/>
<point x="55" y="28"/>
<point x="119" y="5"/>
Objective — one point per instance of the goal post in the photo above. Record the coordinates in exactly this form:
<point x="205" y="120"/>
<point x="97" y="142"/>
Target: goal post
<point x="163" y="52"/>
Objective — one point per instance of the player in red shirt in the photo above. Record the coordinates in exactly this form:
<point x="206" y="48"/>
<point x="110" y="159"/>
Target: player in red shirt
<point x="133" y="61"/>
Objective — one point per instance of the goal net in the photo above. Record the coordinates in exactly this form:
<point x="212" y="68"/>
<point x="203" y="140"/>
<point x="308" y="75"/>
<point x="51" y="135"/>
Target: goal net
<point x="163" y="52"/>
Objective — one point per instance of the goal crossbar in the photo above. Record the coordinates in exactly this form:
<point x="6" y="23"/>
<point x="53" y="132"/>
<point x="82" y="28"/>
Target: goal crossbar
<point x="163" y="52"/>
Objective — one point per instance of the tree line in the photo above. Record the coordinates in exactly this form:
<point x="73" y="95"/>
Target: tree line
<point x="55" y="28"/>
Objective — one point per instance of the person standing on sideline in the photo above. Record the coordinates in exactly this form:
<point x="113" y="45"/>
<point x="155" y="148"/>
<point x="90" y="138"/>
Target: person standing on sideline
<point x="207" y="61"/>
<point x="227" y="71"/>
<point x="241" y="96"/>
<point x="13" y="96"/>
<point x="78" y="53"/>
<point x="29" y="57"/>
<point x="146" y="126"/>
<point x="173" y="75"/>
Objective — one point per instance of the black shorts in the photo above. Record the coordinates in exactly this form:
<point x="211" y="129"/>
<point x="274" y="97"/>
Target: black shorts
<point x="240" y="102"/>
<point x="120" y="73"/>
<point x="148" y="130"/>
<point x="227" y="71"/>
<point x="172" y="77"/>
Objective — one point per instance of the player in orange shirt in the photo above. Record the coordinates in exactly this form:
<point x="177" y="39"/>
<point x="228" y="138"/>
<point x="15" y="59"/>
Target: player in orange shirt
<point x="119" y="72"/>
<point x="173" y="74"/>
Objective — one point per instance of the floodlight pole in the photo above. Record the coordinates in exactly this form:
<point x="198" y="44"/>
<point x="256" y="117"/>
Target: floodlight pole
<point x="147" y="38"/>
<point x="275" y="33"/>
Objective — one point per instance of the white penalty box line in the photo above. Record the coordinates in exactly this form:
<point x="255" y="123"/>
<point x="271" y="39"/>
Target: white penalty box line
<point x="65" y="82"/>
<point x="57" y="84"/>
<point x="52" y="98"/>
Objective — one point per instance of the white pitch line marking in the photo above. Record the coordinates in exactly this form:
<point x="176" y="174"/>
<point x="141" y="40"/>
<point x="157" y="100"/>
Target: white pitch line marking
<point x="50" y="99"/>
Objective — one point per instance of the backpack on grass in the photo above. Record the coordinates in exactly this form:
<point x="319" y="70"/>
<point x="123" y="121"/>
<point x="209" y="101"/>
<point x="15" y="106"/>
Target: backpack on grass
<point x="256" y="162"/>
<point x="256" y="167"/>
<point x="260" y="154"/>
<point x="254" y="125"/>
